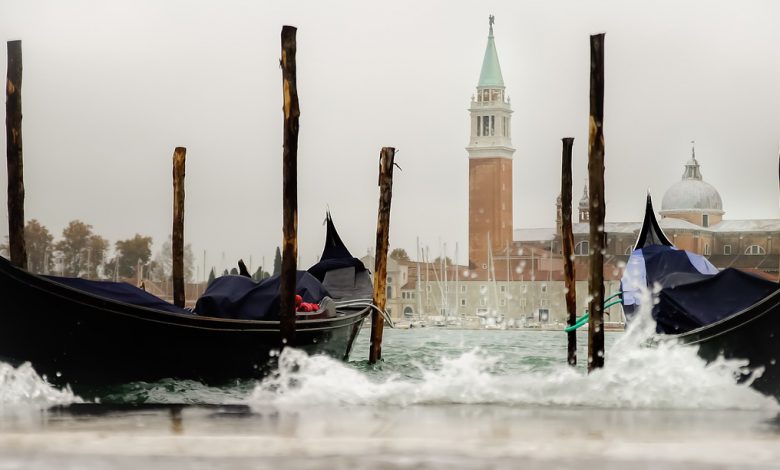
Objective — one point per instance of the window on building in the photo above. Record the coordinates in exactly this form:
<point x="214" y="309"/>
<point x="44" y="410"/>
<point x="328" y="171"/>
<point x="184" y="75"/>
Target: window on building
<point x="389" y="292"/>
<point x="506" y="126"/>
<point x="726" y="249"/>
<point x="408" y="311"/>
<point x="544" y="315"/>
<point x="705" y="220"/>
<point x="428" y="288"/>
<point x="755" y="250"/>
<point x="492" y="125"/>
<point x="462" y="289"/>
<point x="389" y="280"/>
<point x="485" y="126"/>
<point x="462" y="302"/>
<point x="482" y="301"/>
<point x="502" y="289"/>
<point x="479" y="126"/>
<point x="543" y="288"/>
<point x="582" y="248"/>
<point x="707" y="251"/>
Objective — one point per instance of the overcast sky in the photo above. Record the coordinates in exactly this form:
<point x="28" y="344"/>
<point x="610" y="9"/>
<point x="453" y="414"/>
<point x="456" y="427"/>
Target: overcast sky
<point x="111" y="87"/>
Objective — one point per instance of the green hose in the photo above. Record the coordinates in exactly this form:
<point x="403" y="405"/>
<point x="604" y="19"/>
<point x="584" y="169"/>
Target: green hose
<point x="584" y="319"/>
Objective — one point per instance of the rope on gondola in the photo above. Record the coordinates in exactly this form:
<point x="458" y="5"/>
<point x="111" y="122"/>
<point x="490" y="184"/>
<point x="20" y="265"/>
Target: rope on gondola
<point x="366" y="303"/>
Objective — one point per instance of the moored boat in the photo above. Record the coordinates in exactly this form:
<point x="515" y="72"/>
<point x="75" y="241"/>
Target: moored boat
<point x="87" y="333"/>
<point x="729" y="313"/>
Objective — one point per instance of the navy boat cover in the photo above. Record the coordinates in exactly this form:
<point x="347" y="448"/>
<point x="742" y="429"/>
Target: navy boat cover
<point x="241" y="297"/>
<point x="693" y="293"/>
<point x="119" y="291"/>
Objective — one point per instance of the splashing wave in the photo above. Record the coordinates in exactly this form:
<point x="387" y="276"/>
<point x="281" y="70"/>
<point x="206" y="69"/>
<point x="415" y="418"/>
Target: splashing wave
<point x="667" y="376"/>
<point x="22" y="386"/>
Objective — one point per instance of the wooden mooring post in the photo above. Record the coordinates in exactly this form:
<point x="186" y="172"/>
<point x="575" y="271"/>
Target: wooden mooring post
<point x="386" y="162"/>
<point x="289" y="186"/>
<point x="177" y="235"/>
<point x="13" y="135"/>
<point x="567" y="242"/>
<point x="596" y="196"/>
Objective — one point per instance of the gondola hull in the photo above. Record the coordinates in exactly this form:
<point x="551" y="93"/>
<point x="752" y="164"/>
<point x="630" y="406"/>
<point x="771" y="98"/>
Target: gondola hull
<point x="83" y="340"/>
<point x="750" y="335"/>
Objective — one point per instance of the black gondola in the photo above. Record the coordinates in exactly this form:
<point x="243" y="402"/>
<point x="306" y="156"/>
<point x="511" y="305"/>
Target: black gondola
<point x="84" y="339"/>
<point x="728" y="313"/>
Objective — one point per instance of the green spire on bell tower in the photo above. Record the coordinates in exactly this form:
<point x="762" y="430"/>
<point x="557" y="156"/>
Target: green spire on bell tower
<point x="491" y="69"/>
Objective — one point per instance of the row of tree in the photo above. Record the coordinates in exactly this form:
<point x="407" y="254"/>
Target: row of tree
<point x="82" y="253"/>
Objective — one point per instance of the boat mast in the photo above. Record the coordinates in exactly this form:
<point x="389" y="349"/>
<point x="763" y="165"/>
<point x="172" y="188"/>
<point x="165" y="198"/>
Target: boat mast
<point x="457" y="286"/>
<point x="419" y="281"/>
<point x="446" y="285"/>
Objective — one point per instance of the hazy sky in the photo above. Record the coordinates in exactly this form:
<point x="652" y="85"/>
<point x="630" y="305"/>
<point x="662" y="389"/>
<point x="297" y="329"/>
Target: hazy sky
<point x="111" y="87"/>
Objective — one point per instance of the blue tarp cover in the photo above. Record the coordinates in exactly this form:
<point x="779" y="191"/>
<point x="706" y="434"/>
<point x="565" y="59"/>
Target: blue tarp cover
<point x="241" y="297"/>
<point x="691" y="301"/>
<point x="693" y="294"/>
<point x="120" y="291"/>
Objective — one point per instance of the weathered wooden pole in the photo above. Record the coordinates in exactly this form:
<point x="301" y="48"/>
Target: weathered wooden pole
<point x="596" y="196"/>
<point x="177" y="236"/>
<point x="567" y="242"/>
<point x="13" y="135"/>
<point x="289" y="186"/>
<point x="386" y="158"/>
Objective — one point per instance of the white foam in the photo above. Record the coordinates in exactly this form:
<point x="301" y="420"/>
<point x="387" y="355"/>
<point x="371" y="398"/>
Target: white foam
<point x="668" y="376"/>
<point x="23" y="387"/>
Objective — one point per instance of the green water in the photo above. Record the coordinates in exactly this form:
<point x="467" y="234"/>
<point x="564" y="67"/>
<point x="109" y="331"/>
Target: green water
<point x="407" y="355"/>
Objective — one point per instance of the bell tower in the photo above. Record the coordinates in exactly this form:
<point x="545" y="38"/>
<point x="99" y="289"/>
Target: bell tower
<point x="490" y="163"/>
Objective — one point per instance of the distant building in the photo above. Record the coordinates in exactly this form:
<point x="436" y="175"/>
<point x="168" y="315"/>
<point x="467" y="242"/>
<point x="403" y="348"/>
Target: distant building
<point x="515" y="276"/>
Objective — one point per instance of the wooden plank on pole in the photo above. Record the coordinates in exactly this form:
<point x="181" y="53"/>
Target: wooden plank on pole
<point x="567" y="242"/>
<point x="596" y="196"/>
<point x="13" y="134"/>
<point x="177" y="236"/>
<point x="289" y="186"/>
<point x="386" y="163"/>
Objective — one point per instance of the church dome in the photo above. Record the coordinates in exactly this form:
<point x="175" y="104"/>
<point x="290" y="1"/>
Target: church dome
<point x="692" y="194"/>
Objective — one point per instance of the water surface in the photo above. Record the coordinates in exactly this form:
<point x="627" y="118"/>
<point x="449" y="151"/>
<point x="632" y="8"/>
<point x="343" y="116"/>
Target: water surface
<point x="440" y="399"/>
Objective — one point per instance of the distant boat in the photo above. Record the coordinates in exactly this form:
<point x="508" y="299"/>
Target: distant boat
<point x="91" y="333"/>
<point x="728" y="313"/>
